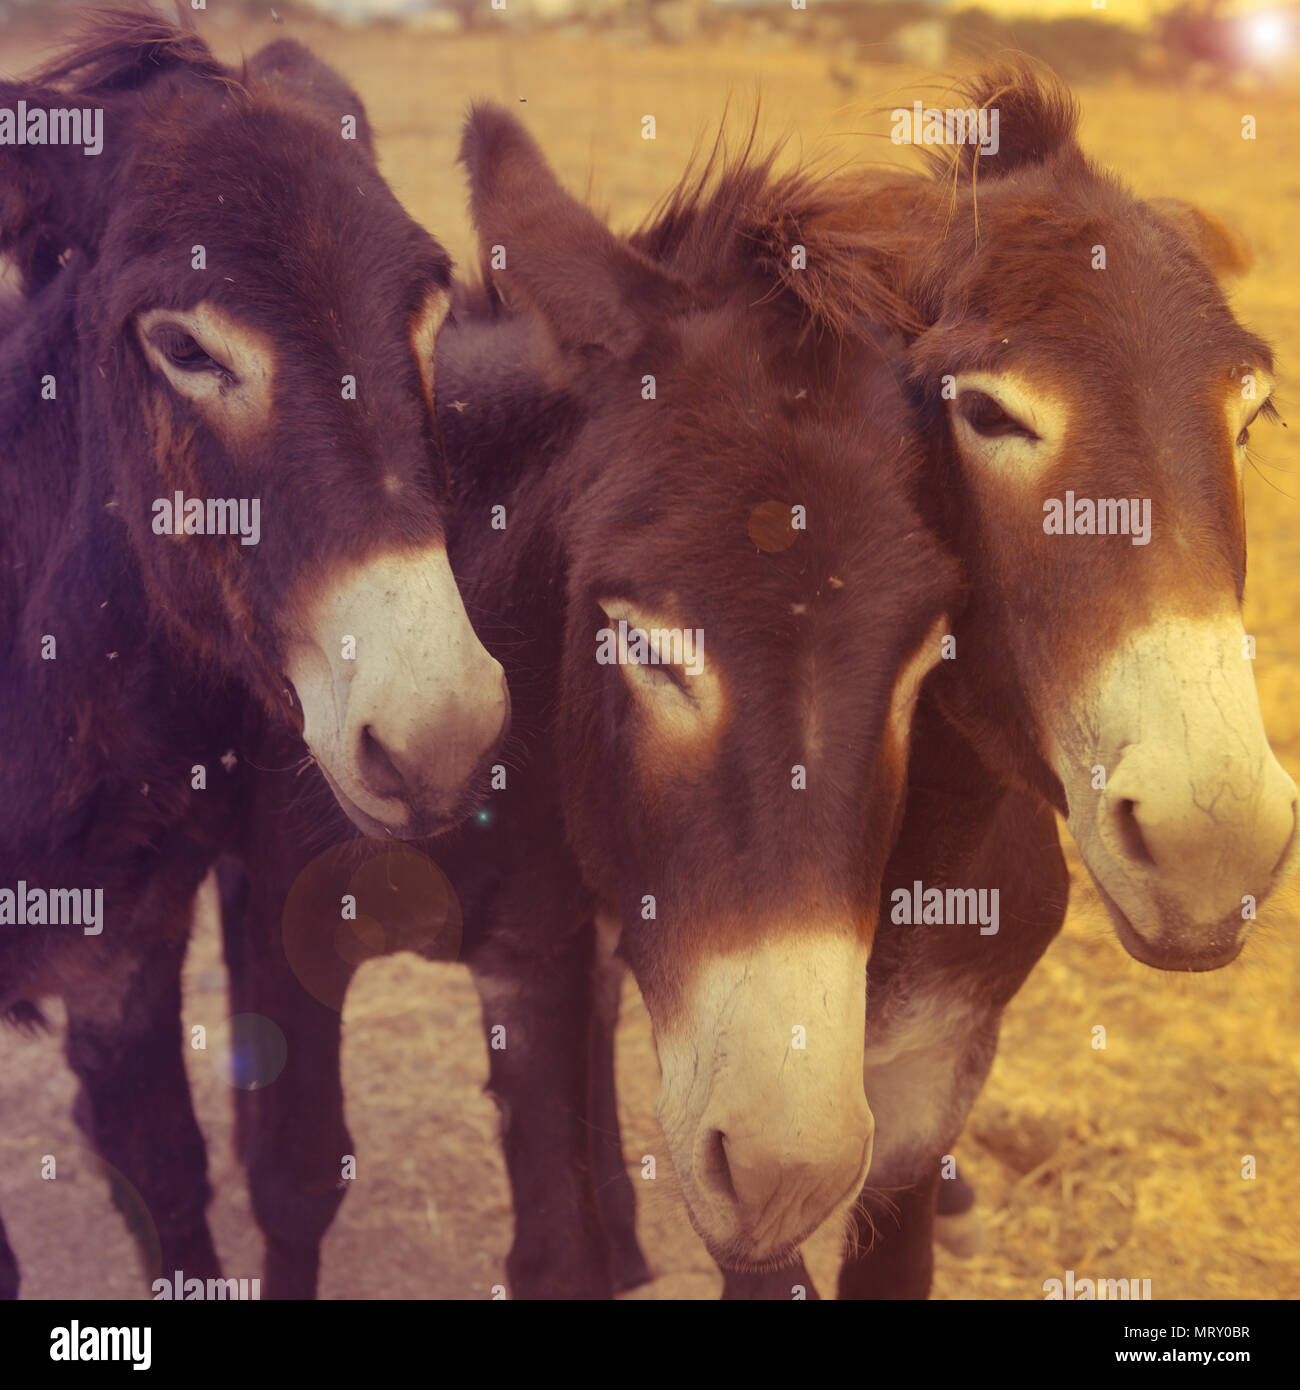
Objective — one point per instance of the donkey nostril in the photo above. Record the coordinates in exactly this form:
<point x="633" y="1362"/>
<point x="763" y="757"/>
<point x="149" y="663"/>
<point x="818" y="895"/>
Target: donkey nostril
<point x="377" y="766"/>
<point x="1130" y="832"/>
<point x="715" y="1171"/>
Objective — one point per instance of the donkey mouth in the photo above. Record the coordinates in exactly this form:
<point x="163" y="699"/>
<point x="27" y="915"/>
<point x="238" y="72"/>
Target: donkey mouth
<point x="727" y="1259"/>
<point x="1163" y="958"/>
<point x="737" y="1252"/>
<point x="415" y="826"/>
<point x="412" y="828"/>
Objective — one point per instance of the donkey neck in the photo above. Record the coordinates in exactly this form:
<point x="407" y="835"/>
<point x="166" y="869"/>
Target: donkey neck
<point x="86" y="669"/>
<point x="506" y="432"/>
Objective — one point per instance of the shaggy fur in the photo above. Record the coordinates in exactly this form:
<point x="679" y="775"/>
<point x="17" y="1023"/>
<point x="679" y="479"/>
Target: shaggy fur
<point x="609" y="494"/>
<point x="163" y="643"/>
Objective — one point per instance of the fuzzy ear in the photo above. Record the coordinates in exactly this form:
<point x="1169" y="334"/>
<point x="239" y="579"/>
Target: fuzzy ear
<point x="1037" y="120"/>
<point x="544" y="252"/>
<point x="1222" y="247"/>
<point x="287" y="65"/>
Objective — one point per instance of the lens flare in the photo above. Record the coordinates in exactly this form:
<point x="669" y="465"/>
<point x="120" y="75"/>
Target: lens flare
<point x="1267" y="34"/>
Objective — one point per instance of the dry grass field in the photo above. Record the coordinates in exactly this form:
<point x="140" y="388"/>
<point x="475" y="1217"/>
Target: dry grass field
<point x="1115" y="1163"/>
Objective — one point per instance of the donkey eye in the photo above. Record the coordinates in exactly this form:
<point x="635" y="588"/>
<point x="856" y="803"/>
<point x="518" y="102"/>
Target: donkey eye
<point x="658" y="677"/>
<point x="669" y="673"/>
<point x="655" y="658"/>
<point x="988" y="418"/>
<point x="183" y="351"/>
<point x="1267" y="411"/>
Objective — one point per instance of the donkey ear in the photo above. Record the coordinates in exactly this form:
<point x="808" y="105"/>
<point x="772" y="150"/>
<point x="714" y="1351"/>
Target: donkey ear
<point x="544" y="251"/>
<point x="301" y="76"/>
<point x="1222" y="247"/>
<point x="1036" y="120"/>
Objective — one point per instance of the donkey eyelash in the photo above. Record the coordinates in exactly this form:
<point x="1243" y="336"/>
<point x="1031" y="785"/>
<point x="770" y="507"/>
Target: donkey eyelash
<point x="663" y="671"/>
<point x="185" y="353"/>
<point x="1268" y="411"/>
<point x="669" y="672"/>
<point x="988" y="418"/>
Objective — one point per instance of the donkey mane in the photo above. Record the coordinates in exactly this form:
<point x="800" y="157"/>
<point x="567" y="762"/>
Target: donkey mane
<point x="119" y="50"/>
<point x="736" y="209"/>
<point x="859" y="227"/>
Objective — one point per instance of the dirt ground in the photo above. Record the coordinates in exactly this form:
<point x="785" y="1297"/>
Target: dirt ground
<point x="1116" y="1163"/>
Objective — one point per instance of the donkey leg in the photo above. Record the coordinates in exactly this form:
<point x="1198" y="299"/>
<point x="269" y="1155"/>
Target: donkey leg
<point x="296" y="1141"/>
<point x="8" y="1267"/>
<point x="125" y="1045"/>
<point x="921" y="1098"/>
<point x="540" y="1076"/>
<point x="614" y="1187"/>
<point x="956" y="1196"/>
<point x="893" y="1242"/>
<point x="292" y="1134"/>
<point x="957" y="1224"/>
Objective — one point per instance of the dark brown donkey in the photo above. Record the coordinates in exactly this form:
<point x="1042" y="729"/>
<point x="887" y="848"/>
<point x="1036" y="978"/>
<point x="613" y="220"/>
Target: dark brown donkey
<point x="1103" y="674"/>
<point x="201" y="511"/>
<point x="715" y="608"/>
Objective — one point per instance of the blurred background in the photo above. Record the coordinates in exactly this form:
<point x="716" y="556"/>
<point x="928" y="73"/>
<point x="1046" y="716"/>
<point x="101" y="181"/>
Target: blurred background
<point x="1119" y="1163"/>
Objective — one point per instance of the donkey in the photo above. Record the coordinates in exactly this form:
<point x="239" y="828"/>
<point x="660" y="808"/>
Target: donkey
<point x="981" y="789"/>
<point x="713" y="701"/>
<point x="1120" y="694"/>
<point x="223" y="491"/>
<point x="1059" y="338"/>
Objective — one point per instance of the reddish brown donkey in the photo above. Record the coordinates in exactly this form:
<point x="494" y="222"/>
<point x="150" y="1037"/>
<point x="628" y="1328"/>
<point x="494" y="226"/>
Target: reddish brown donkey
<point x="1084" y="397"/>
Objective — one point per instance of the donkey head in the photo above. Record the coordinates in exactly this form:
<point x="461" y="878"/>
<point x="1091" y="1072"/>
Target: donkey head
<point x="736" y="693"/>
<point x="256" y="317"/>
<point x="1088" y="396"/>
